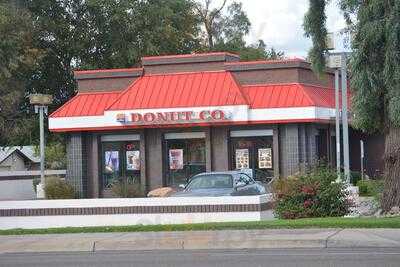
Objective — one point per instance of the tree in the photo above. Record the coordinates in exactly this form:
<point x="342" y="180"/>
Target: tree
<point x="17" y="57"/>
<point x="44" y="41"/>
<point x="104" y="34"/>
<point x="374" y="74"/>
<point x="225" y="28"/>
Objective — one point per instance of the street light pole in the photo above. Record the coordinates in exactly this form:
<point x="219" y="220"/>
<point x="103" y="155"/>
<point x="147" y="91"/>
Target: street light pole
<point x="42" y="157"/>
<point x="345" y="122"/>
<point x="41" y="102"/>
<point x="337" y="124"/>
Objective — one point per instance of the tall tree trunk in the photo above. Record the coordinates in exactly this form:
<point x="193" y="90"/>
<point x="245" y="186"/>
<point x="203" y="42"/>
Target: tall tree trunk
<point x="391" y="193"/>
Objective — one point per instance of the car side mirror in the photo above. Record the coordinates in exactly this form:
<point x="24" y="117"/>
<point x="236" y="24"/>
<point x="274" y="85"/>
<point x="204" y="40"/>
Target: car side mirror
<point x="182" y="186"/>
<point x="240" y="184"/>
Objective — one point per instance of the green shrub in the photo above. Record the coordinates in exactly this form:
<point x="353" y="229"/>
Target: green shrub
<point x="370" y="187"/>
<point x="57" y="188"/>
<point x="355" y="176"/>
<point x="127" y="188"/>
<point x="314" y="194"/>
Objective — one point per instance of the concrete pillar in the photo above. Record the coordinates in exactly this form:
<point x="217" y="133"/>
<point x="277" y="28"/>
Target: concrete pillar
<point x="220" y="148"/>
<point x="154" y="158"/>
<point x="275" y="148"/>
<point x="311" y="133"/>
<point x="208" y="149"/>
<point x="93" y="153"/>
<point x="143" y="172"/>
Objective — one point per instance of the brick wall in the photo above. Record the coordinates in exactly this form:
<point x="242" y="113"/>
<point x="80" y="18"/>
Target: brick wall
<point x="77" y="163"/>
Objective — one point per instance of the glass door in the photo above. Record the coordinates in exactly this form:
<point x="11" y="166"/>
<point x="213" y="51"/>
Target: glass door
<point x="120" y="160"/>
<point x="183" y="159"/>
<point x="253" y="153"/>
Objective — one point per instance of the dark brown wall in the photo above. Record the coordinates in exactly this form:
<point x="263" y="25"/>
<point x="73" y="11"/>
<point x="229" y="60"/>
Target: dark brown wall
<point x="282" y="75"/>
<point x="184" y="67"/>
<point x="309" y="77"/>
<point x="271" y="76"/>
<point x="104" y="84"/>
<point x="374" y="149"/>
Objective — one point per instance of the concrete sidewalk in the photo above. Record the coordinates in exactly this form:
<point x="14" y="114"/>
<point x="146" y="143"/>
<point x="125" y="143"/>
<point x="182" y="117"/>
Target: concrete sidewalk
<point x="227" y="239"/>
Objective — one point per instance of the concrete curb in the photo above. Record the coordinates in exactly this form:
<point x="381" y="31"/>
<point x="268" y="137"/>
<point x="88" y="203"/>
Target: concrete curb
<point x="227" y="239"/>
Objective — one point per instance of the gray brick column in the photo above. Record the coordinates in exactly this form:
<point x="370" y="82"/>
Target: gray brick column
<point x="289" y="149"/>
<point x="77" y="163"/>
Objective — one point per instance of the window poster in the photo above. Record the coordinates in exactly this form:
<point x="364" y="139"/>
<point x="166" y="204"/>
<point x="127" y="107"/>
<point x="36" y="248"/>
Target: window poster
<point x="265" y="158"/>
<point x="111" y="161"/>
<point x="176" y="159"/>
<point x="242" y="158"/>
<point x="133" y="160"/>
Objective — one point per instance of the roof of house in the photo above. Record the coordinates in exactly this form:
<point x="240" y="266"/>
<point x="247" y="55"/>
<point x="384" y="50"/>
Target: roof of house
<point x="27" y="151"/>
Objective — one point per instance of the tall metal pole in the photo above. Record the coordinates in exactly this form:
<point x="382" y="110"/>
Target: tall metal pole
<point x="362" y="158"/>
<point x="337" y="124"/>
<point x="41" y="118"/>
<point x="345" y="123"/>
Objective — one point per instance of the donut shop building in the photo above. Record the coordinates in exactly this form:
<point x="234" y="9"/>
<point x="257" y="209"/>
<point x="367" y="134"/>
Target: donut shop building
<point x="177" y="116"/>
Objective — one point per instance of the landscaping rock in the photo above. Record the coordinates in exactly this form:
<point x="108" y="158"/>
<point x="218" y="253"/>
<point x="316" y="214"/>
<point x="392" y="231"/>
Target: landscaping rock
<point x="367" y="206"/>
<point x="161" y="192"/>
<point x="393" y="212"/>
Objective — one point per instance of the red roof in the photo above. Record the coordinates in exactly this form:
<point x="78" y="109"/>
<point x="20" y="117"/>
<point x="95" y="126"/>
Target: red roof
<point x="289" y="95"/>
<point x="212" y="88"/>
<point x="86" y="104"/>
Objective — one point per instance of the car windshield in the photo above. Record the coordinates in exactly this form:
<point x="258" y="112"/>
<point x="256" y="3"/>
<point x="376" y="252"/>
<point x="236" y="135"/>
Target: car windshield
<point x="210" y="181"/>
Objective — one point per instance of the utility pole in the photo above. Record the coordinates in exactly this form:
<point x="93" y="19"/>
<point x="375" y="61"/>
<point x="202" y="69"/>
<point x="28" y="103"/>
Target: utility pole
<point x="41" y="103"/>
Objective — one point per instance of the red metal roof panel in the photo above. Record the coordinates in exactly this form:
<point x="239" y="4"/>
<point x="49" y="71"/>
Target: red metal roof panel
<point x="173" y="90"/>
<point x="289" y="95"/>
<point x="86" y="104"/>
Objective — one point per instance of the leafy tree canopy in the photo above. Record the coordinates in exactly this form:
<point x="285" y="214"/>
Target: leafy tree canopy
<point x="225" y="27"/>
<point x="17" y="57"/>
<point x="374" y="73"/>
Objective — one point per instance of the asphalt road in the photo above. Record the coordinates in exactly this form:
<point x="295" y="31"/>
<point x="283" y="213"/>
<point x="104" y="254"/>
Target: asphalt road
<point x="232" y="258"/>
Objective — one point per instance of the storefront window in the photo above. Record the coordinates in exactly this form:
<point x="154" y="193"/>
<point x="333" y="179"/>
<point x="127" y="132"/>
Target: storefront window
<point x="184" y="158"/>
<point x="120" y="160"/>
<point x="253" y="153"/>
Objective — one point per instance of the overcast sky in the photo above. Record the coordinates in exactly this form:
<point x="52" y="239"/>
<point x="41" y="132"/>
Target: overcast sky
<point x="279" y="23"/>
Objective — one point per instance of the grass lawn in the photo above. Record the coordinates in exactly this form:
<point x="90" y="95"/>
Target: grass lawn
<point x="392" y="222"/>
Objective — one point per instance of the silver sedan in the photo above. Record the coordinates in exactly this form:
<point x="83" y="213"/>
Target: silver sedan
<point x="213" y="184"/>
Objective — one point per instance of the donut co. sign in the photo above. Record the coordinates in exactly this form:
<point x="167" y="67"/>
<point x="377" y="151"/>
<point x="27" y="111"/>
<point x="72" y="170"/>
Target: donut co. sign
<point x="172" y="117"/>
